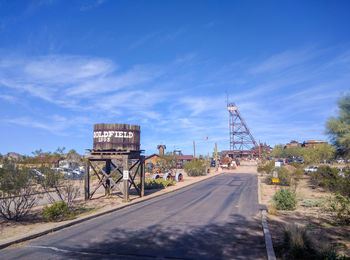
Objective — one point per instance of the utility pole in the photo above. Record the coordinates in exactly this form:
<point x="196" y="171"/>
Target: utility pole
<point x="194" y="149"/>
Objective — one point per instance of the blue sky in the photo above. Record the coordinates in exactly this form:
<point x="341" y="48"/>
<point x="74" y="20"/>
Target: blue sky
<point x="165" y="65"/>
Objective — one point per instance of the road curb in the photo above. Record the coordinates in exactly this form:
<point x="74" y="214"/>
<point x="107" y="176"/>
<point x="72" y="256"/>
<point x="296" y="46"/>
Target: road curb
<point x="83" y="219"/>
<point x="259" y="190"/>
<point x="268" y="240"/>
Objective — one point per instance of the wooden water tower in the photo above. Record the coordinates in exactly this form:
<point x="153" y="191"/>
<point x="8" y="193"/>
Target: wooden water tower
<point x="116" y="160"/>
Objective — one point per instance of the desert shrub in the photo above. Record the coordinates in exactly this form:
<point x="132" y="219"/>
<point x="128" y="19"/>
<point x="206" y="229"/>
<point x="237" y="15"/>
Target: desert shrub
<point x="326" y="177"/>
<point x="268" y="179"/>
<point x="285" y="199"/>
<point x="284" y="177"/>
<point x="167" y="163"/>
<point x="298" y="173"/>
<point x="272" y="209"/>
<point x="344" y="183"/>
<point x="196" y="167"/>
<point x="340" y="205"/>
<point x="267" y="167"/>
<point x="64" y="189"/>
<point x="16" y="192"/>
<point x="297" y="165"/>
<point x="58" y="211"/>
<point x="156" y="183"/>
<point x="309" y="203"/>
<point x="299" y="244"/>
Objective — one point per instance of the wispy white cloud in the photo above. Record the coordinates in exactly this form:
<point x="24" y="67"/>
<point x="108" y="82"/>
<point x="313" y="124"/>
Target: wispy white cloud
<point x="284" y="60"/>
<point x="8" y="98"/>
<point x="55" y="124"/>
<point x="182" y="100"/>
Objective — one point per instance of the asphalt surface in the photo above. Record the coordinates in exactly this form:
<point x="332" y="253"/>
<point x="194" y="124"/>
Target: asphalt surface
<point x="213" y="219"/>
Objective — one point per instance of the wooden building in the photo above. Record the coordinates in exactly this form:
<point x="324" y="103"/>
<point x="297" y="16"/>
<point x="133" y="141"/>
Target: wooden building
<point x="313" y="143"/>
<point x="292" y="144"/>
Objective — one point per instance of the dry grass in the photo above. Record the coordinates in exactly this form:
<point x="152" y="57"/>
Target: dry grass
<point x="319" y="223"/>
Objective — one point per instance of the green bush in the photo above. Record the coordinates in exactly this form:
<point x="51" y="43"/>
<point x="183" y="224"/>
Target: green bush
<point x="326" y="177"/>
<point x="156" y="183"/>
<point x="330" y="179"/>
<point x="284" y="177"/>
<point x="196" y="167"/>
<point x="268" y="179"/>
<point x="340" y="205"/>
<point x="309" y="203"/>
<point x="285" y="199"/>
<point x="16" y="192"/>
<point x="267" y="167"/>
<point x="298" y="173"/>
<point x="344" y="185"/>
<point x="297" y="165"/>
<point x="58" y="211"/>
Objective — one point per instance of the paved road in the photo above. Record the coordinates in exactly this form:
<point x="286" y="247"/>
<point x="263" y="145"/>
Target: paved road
<point x="213" y="219"/>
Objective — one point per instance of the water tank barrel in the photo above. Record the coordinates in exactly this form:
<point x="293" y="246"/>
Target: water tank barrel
<point x="120" y="137"/>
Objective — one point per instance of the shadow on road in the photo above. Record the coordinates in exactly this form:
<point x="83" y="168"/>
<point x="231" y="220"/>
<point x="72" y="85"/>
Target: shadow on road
<point x="239" y="239"/>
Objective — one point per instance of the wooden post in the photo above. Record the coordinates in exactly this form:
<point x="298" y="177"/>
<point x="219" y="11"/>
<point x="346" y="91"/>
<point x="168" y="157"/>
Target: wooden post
<point x="259" y="150"/>
<point x="108" y="182"/>
<point x="87" y="181"/>
<point x="142" y="175"/>
<point x="125" y="181"/>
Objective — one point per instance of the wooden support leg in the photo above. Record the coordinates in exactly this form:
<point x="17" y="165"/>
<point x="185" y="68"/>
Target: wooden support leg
<point x="142" y="175"/>
<point x="108" y="182"/>
<point x="87" y="181"/>
<point x="126" y="182"/>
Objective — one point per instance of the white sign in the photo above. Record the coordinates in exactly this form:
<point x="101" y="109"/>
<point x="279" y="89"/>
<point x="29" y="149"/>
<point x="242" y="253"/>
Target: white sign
<point x="125" y="175"/>
<point x="105" y="136"/>
<point x="275" y="174"/>
<point x="278" y="164"/>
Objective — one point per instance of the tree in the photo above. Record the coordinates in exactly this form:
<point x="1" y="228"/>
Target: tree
<point x="338" y="128"/>
<point x="196" y="167"/>
<point x="37" y="152"/>
<point x="60" y="150"/>
<point x="167" y="163"/>
<point x="16" y="192"/>
<point x="319" y="153"/>
<point x="57" y="187"/>
<point x="278" y="151"/>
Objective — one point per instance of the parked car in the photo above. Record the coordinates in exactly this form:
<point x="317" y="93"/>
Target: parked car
<point x="340" y="160"/>
<point x="289" y="160"/>
<point x="78" y="171"/>
<point x="300" y="160"/>
<point x="341" y="172"/>
<point x="310" y="169"/>
<point x="36" y="174"/>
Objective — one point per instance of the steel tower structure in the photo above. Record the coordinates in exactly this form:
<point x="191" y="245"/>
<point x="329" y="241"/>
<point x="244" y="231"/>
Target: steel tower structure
<point x="241" y="140"/>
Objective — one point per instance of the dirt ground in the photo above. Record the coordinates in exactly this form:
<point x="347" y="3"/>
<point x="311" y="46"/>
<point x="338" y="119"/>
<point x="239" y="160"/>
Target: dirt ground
<point x="318" y="222"/>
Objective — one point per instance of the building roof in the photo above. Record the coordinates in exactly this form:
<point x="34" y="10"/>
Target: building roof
<point x="315" y="141"/>
<point x="184" y="157"/>
<point x="150" y="156"/>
